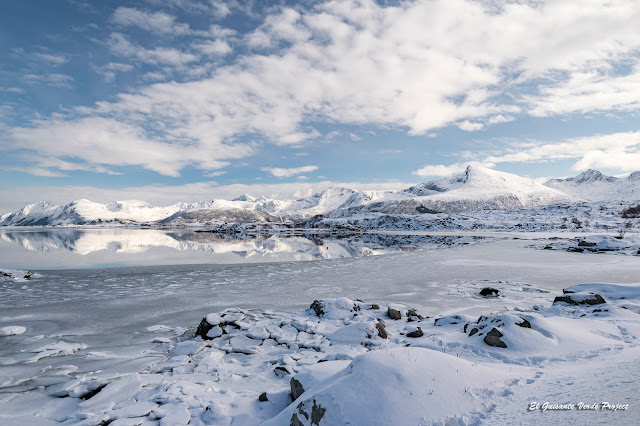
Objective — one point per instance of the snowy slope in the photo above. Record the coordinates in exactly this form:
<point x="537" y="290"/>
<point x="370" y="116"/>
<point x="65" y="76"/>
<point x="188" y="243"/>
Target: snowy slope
<point x="594" y="186"/>
<point x="477" y="188"/>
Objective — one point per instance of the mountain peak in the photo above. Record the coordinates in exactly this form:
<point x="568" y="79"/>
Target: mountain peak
<point x="590" y="175"/>
<point x="244" y="197"/>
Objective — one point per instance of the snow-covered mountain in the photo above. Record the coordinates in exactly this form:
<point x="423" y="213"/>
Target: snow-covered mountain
<point x="476" y="189"/>
<point x="594" y="186"/>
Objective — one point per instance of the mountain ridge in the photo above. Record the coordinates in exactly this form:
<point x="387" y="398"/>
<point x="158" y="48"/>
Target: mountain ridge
<point x="475" y="189"/>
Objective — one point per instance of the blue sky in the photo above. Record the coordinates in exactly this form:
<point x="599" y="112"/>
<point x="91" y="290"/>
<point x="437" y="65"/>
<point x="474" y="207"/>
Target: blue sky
<point x="186" y="100"/>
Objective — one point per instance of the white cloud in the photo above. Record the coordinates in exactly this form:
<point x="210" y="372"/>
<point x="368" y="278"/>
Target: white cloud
<point x="469" y="126"/>
<point x="109" y="70"/>
<point x="617" y="151"/>
<point x="416" y="66"/>
<point x="101" y="141"/>
<point x="278" y="172"/>
<point x="214" y="47"/>
<point x="120" y="45"/>
<point x="54" y="60"/>
<point x="53" y="80"/>
<point x="157" y="22"/>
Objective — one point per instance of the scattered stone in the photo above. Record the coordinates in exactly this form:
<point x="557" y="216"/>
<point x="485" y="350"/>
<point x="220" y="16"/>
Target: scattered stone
<point x="281" y="371"/>
<point x="583" y="243"/>
<point x="493" y="339"/>
<point x="374" y="306"/>
<point x="524" y="323"/>
<point x="489" y="291"/>
<point x="473" y="331"/>
<point x="416" y="333"/>
<point x="382" y="330"/>
<point x="263" y="397"/>
<point x="318" y="307"/>
<point x="394" y="314"/>
<point x="413" y="314"/>
<point x="582" y="298"/>
<point x="296" y="389"/>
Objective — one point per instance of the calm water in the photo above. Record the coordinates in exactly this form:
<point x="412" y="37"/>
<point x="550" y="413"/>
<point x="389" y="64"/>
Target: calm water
<point x="67" y="248"/>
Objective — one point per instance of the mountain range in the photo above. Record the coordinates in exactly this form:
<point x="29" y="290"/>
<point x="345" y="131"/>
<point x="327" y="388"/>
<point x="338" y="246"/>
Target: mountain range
<point x="475" y="189"/>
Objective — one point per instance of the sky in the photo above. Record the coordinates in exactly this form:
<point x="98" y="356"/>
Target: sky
<point x="185" y="100"/>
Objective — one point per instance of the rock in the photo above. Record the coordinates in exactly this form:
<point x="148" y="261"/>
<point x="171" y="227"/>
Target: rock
<point x="374" y="306"/>
<point x="263" y="397"/>
<point x="493" y="339"/>
<point x="318" y="307"/>
<point x="281" y="371"/>
<point x="296" y="389"/>
<point x="524" y="323"/>
<point x="581" y="298"/>
<point x="488" y="291"/>
<point x="317" y="413"/>
<point x="416" y="333"/>
<point x="583" y="243"/>
<point x="382" y="330"/>
<point x="203" y="328"/>
<point x="394" y="314"/>
<point x="28" y="275"/>
<point x="473" y="331"/>
<point x="295" y="421"/>
<point x="412" y="313"/>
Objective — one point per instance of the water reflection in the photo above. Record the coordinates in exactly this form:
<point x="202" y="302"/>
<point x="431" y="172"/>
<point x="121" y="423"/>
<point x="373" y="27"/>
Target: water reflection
<point x="80" y="248"/>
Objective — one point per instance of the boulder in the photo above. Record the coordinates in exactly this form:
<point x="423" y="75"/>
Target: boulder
<point x="318" y="307"/>
<point x="263" y="397"/>
<point x="416" y="333"/>
<point x="382" y="330"/>
<point x="296" y="389"/>
<point x="580" y="298"/>
<point x="524" y="323"/>
<point x="394" y="314"/>
<point x="489" y="291"/>
<point x="493" y="339"/>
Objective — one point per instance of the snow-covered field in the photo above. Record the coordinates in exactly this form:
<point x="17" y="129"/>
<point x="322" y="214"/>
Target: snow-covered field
<point x="119" y="346"/>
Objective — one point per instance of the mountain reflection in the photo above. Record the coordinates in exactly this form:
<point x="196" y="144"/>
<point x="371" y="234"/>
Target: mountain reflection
<point x="132" y="241"/>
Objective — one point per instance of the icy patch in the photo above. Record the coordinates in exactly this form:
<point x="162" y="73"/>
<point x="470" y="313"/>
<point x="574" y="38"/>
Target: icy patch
<point x="12" y="330"/>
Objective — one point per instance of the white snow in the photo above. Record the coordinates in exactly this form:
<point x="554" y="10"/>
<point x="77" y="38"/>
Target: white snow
<point x="12" y="330"/>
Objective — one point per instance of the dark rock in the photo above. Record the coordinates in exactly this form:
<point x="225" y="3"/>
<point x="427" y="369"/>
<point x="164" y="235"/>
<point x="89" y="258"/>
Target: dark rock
<point x="565" y="291"/>
<point x="524" y="323"/>
<point x="295" y="421"/>
<point x="575" y="250"/>
<point x="263" y="397"/>
<point x="203" y="328"/>
<point x="416" y="333"/>
<point x="493" y="339"/>
<point x="473" y="331"/>
<point x="584" y="298"/>
<point x="28" y="275"/>
<point x="317" y="413"/>
<point x="464" y="330"/>
<point x="488" y="291"/>
<point x="413" y="313"/>
<point x="296" y="389"/>
<point x="281" y="371"/>
<point x="318" y="307"/>
<point x="382" y="330"/>
<point x="394" y="314"/>
<point x="583" y="243"/>
<point x="374" y="306"/>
